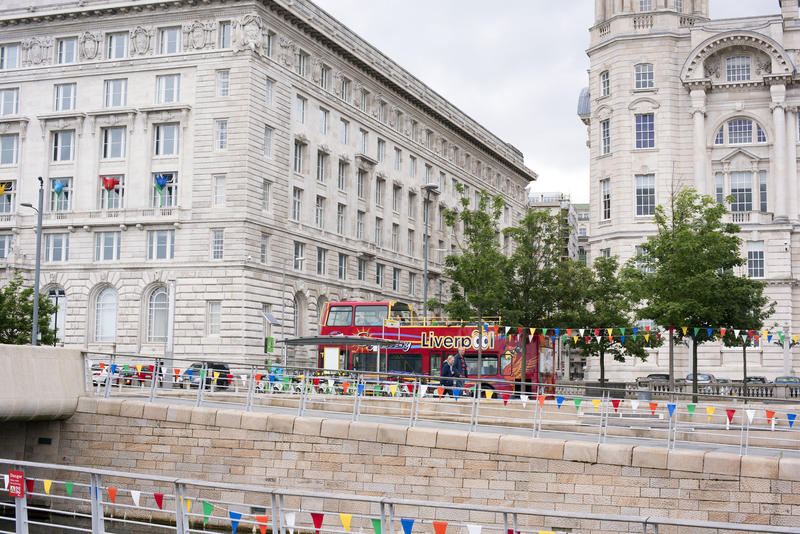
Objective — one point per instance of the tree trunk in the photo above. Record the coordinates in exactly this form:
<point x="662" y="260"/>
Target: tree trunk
<point x="694" y="371"/>
<point x="671" y="364"/>
<point x="480" y="345"/>
<point x="602" y="366"/>
<point x="523" y="373"/>
<point x="744" y="369"/>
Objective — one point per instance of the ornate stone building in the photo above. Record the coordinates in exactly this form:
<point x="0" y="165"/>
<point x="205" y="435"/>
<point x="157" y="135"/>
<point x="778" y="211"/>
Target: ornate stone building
<point x="676" y="99"/>
<point x="251" y="159"/>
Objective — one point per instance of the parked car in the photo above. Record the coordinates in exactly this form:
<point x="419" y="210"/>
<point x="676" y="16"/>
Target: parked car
<point x="757" y="380"/>
<point x="191" y="376"/>
<point x="99" y="373"/>
<point x="787" y="380"/>
<point x="702" y="378"/>
<point x="724" y="386"/>
<point x="147" y="372"/>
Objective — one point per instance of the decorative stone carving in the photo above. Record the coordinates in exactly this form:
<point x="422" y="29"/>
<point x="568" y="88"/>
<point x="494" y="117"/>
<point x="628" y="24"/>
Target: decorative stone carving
<point x="198" y="35"/>
<point x="764" y="67"/>
<point x="89" y="46"/>
<point x="248" y="34"/>
<point x="711" y="69"/>
<point x="141" y="41"/>
<point x="357" y="93"/>
<point x="286" y="55"/>
<point x="337" y="83"/>
<point x="316" y="69"/>
<point x="37" y="51"/>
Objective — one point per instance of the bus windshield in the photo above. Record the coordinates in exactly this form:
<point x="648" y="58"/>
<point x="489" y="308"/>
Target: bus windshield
<point x="340" y="316"/>
<point x="371" y="315"/>
<point x="489" y="364"/>
<point x="401" y="311"/>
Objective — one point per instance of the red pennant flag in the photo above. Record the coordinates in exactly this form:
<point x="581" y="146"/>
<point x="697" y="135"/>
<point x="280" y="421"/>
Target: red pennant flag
<point x="722" y="332"/>
<point x="112" y="494"/>
<point x="176" y="371"/>
<point x="541" y="398"/>
<point x="770" y="415"/>
<point x="596" y="332"/>
<point x="610" y="339"/>
<point x="615" y="404"/>
<point x="569" y="332"/>
<point x="659" y="336"/>
<point x="258" y="378"/>
<point x="505" y="398"/>
<point x="587" y="339"/>
<point x="730" y="412"/>
<point x="262" y="523"/>
<point x="750" y="333"/>
<point x="29" y="484"/>
<point x="653" y="406"/>
<point x="317" y="518"/>
<point x="647" y="329"/>
<point x="102" y="366"/>
<point x="410" y="388"/>
<point x="159" y="500"/>
<point x="345" y="387"/>
<point x="439" y="527"/>
<point x="440" y="391"/>
<point x="519" y="332"/>
<point x="756" y="338"/>
<point x="316" y="382"/>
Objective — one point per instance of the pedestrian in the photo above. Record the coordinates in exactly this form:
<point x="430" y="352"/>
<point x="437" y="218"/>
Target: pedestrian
<point x="460" y="368"/>
<point x="447" y="375"/>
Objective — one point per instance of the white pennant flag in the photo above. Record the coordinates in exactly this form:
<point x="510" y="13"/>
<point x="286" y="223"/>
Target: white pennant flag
<point x="524" y="399"/>
<point x="750" y="414"/>
<point x="581" y="331"/>
<point x="744" y="338"/>
<point x="598" y="339"/>
<point x="635" y="405"/>
<point x="330" y="384"/>
<point x="244" y="379"/>
<point x="135" y="496"/>
<point x="530" y="338"/>
<point x="5" y="481"/>
<point x="422" y="390"/>
<point x="507" y="329"/>
<point x="290" y="521"/>
<point x="474" y="529"/>
<point x="736" y="333"/>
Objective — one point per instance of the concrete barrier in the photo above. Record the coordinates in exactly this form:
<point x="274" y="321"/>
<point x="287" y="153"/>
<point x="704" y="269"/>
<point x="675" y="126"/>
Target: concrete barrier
<point x="39" y="383"/>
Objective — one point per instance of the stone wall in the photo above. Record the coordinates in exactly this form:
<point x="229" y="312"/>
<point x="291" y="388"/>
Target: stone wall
<point x="430" y="464"/>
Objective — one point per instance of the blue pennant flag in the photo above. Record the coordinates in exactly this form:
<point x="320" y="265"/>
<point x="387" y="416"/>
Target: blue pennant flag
<point x="407" y="525"/>
<point x="272" y="378"/>
<point x="635" y="330"/>
<point x="113" y="368"/>
<point x="623" y="338"/>
<point x="708" y="331"/>
<point x="360" y="389"/>
<point x="557" y="331"/>
<point x="235" y="517"/>
<point x="559" y="400"/>
<point x="190" y="372"/>
<point x="671" y="408"/>
<point x="791" y="417"/>
<point x="456" y="392"/>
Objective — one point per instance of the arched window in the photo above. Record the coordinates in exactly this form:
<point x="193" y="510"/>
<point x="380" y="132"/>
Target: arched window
<point x="59" y="299"/>
<point x="105" y="315"/>
<point x="740" y="131"/>
<point x="321" y="301"/>
<point x="157" y="316"/>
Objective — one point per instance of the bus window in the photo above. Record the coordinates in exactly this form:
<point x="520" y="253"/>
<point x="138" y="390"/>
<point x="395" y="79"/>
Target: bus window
<point x="340" y="316"/>
<point x="371" y="315"/>
<point x="405" y="363"/>
<point x="435" y="363"/>
<point x="489" y="364"/>
<point x="401" y="312"/>
<point x="364" y="361"/>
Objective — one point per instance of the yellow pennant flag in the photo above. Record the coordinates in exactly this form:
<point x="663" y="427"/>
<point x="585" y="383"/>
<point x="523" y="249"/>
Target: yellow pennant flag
<point x="345" y="519"/>
<point x="47" y="484"/>
<point x="710" y="411"/>
<point x="795" y="338"/>
<point x="547" y="532"/>
<point x="2" y="188"/>
<point x="188" y="505"/>
<point x="488" y="393"/>
<point x="610" y="331"/>
<point x="575" y="339"/>
<point x="533" y="331"/>
<point x="393" y="390"/>
<point x="684" y="328"/>
<point x="216" y="375"/>
<point x="595" y="403"/>
<point x="139" y="368"/>
<point x="647" y="338"/>
<point x="765" y="333"/>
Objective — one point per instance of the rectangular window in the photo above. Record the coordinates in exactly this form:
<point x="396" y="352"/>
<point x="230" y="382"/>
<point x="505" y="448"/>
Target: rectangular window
<point x="165" y="190"/>
<point x="737" y="68"/>
<point x="217" y="244"/>
<point x="364" y="103"/>
<point x="218" y="195"/>
<point x="719" y="188"/>
<point x="395" y="237"/>
<point x="213" y="317"/>
<point x="740" y="131"/>
<point x="755" y="259"/>
<point x="382" y="112"/>
<point x="300" y="109"/>
<point x="5" y="245"/>
<point x="270" y="43"/>
<point x="220" y="134"/>
<point x="299" y="156"/>
<point x="9" y="149"/>
<point x="323" y="121"/>
<point x="379" y="274"/>
<point x="360" y="225"/>
<point x="116" y="92"/>
<point x="363" y="141"/>
<point x="605" y="196"/>
<point x="340" y="215"/>
<point x="605" y="252"/>
<point x="170" y="40"/>
<point x="362" y="270"/>
<point x="395" y="279"/>
<point x="379" y="183"/>
<point x="397" y="158"/>
<point x="322" y="256"/>
<point x="605" y="83"/>
<point x="605" y="137"/>
<point x="412" y="166"/>
<point x="168" y="88"/>
<point x="297" y="203"/>
<point x="301" y="63"/>
<point x="762" y="190"/>
<point x="428" y="174"/>
<point x="742" y="191"/>
<point x="378" y="232"/>
<point x="63" y="145"/>
<point x="645" y="194"/>
<point x="342" y="266"/>
<point x="266" y="190"/>
<point x="167" y="139"/>
<point x="344" y="89"/>
<point x="114" y="142"/>
<point x="645" y="131"/>
<point x="645" y="5"/>
<point x="112" y="192"/>
<point x="66" y="50"/>
<point x="381" y="150"/>
<point x="412" y="283"/>
<point x="269" y="91"/>
<point x="319" y="212"/>
<point x="344" y="131"/>
<point x="8" y="198"/>
<point x="644" y="76"/>
<point x="56" y="247"/>
<point x="413" y="130"/>
<point x="60" y="194"/>
<point x="412" y="206"/>
<point x="410" y="244"/>
<point x="117" y="46"/>
<point x="360" y="181"/>
<point x="267" y="148"/>
<point x="224" y="35"/>
<point x="161" y="244"/>
<point x="264" y="251"/>
<point x="341" y="182"/>
<point x="223" y="82"/>
<point x="321" y="165"/>
<point x="9" y="101"/>
<point x="299" y="255"/>
<point x="106" y="246"/>
<point x="396" y="198"/>
<point x="9" y="56"/>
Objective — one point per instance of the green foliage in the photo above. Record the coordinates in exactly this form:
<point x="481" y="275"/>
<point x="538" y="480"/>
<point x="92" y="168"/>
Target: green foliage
<point x="16" y="314"/>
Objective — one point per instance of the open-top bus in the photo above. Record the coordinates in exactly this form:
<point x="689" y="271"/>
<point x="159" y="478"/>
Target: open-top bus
<point x="422" y="345"/>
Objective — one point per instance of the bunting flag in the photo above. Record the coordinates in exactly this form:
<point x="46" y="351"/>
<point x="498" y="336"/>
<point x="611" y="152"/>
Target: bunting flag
<point x="440" y="391"/>
<point x="345" y="519"/>
<point x="794" y="337"/>
<point x="541" y="399"/>
<point x="615" y="404"/>
<point x="112" y="495"/>
<point x="597" y="332"/>
<point x="216" y="376"/>
<point x="696" y="330"/>
<point x="235" y="517"/>
<point x="29" y="482"/>
<point x="456" y="393"/>
<point x="472" y="529"/>
<point x="736" y="332"/>
<point x="791" y="417"/>
<point x="345" y="387"/>
<point x="47" y="484"/>
<point x="361" y="389"/>
<point x="671" y="409"/>
<point x="684" y="328"/>
<point x="533" y="331"/>
<point x="263" y="521"/>
<point x="3" y="188"/>
<point x="653" y="408"/>
<point x="710" y="411"/>
<point x="315" y="381"/>
<point x="769" y="338"/>
<point x="376" y="526"/>
<point x="780" y="335"/>
<point x="577" y="402"/>
<point x="708" y="332"/>
<point x="507" y="329"/>
<point x="139" y="368"/>
<point x="622" y="338"/>
<point x="317" y="518"/>
<point x="68" y="486"/>
<point x="422" y="390"/>
<point x="770" y="415"/>
<point x="408" y="524"/>
<point x="524" y="399"/>
<point x="744" y="338"/>
<point x="557" y="331"/>
<point x="439" y="527"/>
<point x="750" y="415"/>
<point x="729" y="412"/>
<point x="188" y="505"/>
<point x="635" y="405"/>
<point x="690" y="408"/>
<point x="488" y="393"/>
<point x="581" y="331"/>
<point x="647" y="338"/>
<point x="722" y="332"/>
<point x="135" y="496"/>
<point x="289" y="517"/>
<point x="569" y="332"/>
<point x="595" y="403"/>
<point x="559" y="400"/>
<point x="750" y="333"/>
<point x="159" y="499"/>
<point x="5" y="482"/>
<point x="575" y="339"/>
<point x="393" y="390"/>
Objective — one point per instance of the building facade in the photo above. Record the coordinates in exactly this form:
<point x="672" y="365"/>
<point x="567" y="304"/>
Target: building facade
<point x="675" y="100"/>
<point x="248" y="160"/>
<point x="559" y="205"/>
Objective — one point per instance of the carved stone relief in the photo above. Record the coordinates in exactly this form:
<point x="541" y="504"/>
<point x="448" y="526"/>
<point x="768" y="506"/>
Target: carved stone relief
<point x="248" y="34"/>
<point x="316" y="69"/>
<point x="141" y="41"/>
<point x="37" y="51"/>
<point x="89" y="46"/>
<point x="286" y="55"/>
<point x="337" y="83"/>
<point x="198" y="35"/>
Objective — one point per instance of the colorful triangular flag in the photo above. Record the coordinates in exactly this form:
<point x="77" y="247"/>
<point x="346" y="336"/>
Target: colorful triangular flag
<point x="345" y="519"/>
<point x="235" y="517"/>
<point x="408" y="524"/>
<point x="207" y="509"/>
<point x="263" y="521"/>
<point x="135" y="496"/>
<point x="317" y="518"/>
<point x="159" y="497"/>
<point x="439" y="527"/>
<point x="376" y="526"/>
<point x="47" y="484"/>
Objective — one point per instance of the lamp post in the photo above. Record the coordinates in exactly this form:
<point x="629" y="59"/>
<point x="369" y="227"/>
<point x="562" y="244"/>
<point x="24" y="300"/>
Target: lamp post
<point x="35" y="329"/>
<point x="428" y="188"/>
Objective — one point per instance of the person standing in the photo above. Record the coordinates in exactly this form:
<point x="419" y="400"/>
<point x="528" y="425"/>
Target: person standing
<point x="460" y="368"/>
<point x="447" y="375"/>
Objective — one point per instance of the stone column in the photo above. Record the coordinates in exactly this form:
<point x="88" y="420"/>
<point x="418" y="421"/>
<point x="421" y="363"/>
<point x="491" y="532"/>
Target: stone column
<point x="791" y="161"/>
<point x="698" y="97"/>
<point x="599" y="11"/>
<point x="778" y="92"/>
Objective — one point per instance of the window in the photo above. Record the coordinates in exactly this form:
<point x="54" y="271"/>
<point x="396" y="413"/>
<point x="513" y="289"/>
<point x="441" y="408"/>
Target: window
<point x="641" y="256"/>
<point x="217" y="244"/>
<point x="60" y="194"/>
<point x="117" y="46"/>
<point x="645" y="5"/>
<point x="742" y="191"/>
<point x="740" y="131"/>
<point x="395" y="237"/>
<point x="267" y="142"/>
<point x="213" y="317"/>
<point x="299" y="156"/>
<point x="9" y="101"/>
<point x="299" y="255"/>
<point x="360" y="180"/>
<point x="379" y="274"/>
<point x="413" y="130"/>
<point x="362" y="270"/>
<point x="114" y="142"/>
<point x="170" y="41"/>
<point x="325" y="77"/>
<point x="106" y="246"/>
<point x="9" y="56"/>
<point x="762" y="190"/>
<point x="364" y="101"/>
<point x="9" y="149"/>
<point x="412" y="166"/>
<point x="428" y="139"/>
<point x="7" y="204"/>
<point x="344" y="131"/>
<point x="382" y="112"/>
<point x="223" y="82"/>
<point x="395" y="279"/>
<point x="224" y="35"/>
<point x="412" y="206"/>
<point x="167" y="139"/>
<point x="645" y="131"/>
<point x="428" y="174"/>
<point x="643" y="73"/>
<point x="319" y="212"/>
<point x="323" y="121"/>
<point x="397" y="158"/>
<point x="605" y="84"/>
<point x="344" y="89"/>
<point x="157" y="316"/>
<point x="270" y="41"/>
<point x="605" y="137"/>
<point x="105" y="315"/>
<point x="360" y="225"/>
<point x="342" y="266"/>
<point x="755" y="259"/>
<point x="297" y="203"/>
<point x="678" y="5"/>
<point x="218" y="194"/>
<point x="720" y="137"/>
<point x="378" y="232"/>
<point x="112" y="191"/>
<point x="737" y="68"/>
<point x="340" y="215"/>
<point x="220" y="134"/>
<point x="56" y="247"/>
<point x="5" y="245"/>
<point x="379" y="183"/>
<point x="341" y="182"/>
<point x="396" y="198"/>
<point x="605" y="252"/>
<point x="719" y="188"/>
<point x="321" y="165"/>
<point x="381" y="150"/>
<point x="410" y="244"/>
<point x="168" y="88"/>
<point x="322" y="256"/>
<point x="160" y="244"/>
<point x="269" y="91"/>
<point x="266" y="189"/>
<point x="116" y="93"/>
<point x="65" y="50"/>
<point x="63" y="145"/>
<point x="301" y="63"/>
<point x="300" y="109"/>
<point x="363" y="141"/>
<point x="605" y="196"/>
<point x="165" y="190"/>
<point x="761" y="137"/>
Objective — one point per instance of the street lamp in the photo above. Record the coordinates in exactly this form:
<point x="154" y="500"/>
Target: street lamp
<point x="35" y="329"/>
<point x="428" y="188"/>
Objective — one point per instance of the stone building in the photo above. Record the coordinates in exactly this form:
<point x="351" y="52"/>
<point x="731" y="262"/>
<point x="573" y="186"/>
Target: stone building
<point x="676" y="99"/>
<point x="252" y="159"/>
<point x="559" y="204"/>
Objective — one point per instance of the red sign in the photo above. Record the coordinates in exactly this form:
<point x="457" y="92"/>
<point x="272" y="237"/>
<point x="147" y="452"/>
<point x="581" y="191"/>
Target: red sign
<point x="16" y="484"/>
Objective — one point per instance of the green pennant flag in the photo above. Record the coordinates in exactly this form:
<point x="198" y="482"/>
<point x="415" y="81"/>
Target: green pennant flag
<point x="564" y="338"/>
<point x="207" y="509"/>
<point x="544" y="331"/>
<point x="376" y="526"/>
<point x="780" y="335"/>
<point x="577" y="403"/>
<point x="126" y="367"/>
<point x="377" y="388"/>
<point x="690" y="408"/>
<point x="202" y="376"/>
<point x="696" y="330"/>
<point x="622" y="330"/>
<point x="634" y="337"/>
<point x="68" y="486"/>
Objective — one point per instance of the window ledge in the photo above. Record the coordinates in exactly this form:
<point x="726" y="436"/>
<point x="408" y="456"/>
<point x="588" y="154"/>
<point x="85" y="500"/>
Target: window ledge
<point x="654" y="149"/>
<point x="645" y="90"/>
<point x="112" y="111"/>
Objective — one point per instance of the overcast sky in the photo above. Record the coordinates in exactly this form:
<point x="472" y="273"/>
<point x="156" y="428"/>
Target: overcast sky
<point x="515" y="66"/>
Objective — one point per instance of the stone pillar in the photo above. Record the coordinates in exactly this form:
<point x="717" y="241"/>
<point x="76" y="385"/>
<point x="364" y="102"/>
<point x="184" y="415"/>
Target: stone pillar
<point x="698" y="97"/>
<point x="791" y="161"/>
<point x="599" y="11"/>
<point x="778" y="92"/>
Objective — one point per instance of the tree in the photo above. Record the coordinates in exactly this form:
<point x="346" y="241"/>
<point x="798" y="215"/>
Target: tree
<point x="688" y="279"/>
<point x="16" y="314"/>
<point x="477" y="270"/>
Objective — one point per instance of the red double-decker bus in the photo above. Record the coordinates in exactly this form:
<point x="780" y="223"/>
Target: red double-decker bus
<point x="422" y="345"/>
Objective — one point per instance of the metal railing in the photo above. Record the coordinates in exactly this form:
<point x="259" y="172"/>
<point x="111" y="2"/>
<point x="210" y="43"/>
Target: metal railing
<point x="80" y="499"/>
